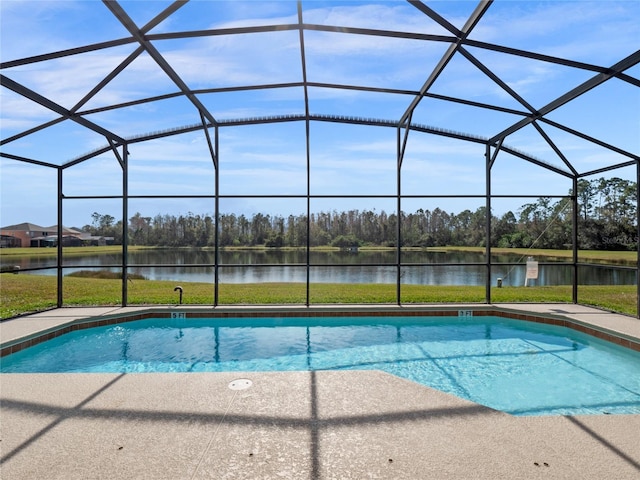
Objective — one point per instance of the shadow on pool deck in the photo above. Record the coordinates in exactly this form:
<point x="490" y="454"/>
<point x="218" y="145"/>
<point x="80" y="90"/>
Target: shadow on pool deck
<point x="294" y="425"/>
<point x="299" y="425"/>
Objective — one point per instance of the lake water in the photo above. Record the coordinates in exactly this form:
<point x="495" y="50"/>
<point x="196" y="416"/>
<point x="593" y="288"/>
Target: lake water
<point x="241" y="266"/>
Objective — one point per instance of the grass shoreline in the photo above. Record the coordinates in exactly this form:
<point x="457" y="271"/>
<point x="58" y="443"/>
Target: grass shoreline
<point x="21" y="294"/>
<point x="609" y="256"/>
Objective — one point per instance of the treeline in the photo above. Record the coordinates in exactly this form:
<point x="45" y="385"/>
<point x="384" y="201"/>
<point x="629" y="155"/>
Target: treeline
<point x="606" y="221"/>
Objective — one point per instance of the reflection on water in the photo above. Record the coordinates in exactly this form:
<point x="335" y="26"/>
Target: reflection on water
<point x="241" y="266"/>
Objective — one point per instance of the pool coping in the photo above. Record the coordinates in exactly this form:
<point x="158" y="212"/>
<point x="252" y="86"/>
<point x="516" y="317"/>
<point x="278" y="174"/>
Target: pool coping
<point x="26" y="331"/>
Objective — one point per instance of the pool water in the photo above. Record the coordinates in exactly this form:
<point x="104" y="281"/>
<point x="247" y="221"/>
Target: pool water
<point x="518" y="367"/>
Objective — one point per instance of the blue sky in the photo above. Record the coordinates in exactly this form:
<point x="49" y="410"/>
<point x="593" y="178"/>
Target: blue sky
<point x="271" y="159"/>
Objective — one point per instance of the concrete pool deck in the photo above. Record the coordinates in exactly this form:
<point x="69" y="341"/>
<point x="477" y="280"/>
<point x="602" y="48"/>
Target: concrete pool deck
<point x="295" y="425"/>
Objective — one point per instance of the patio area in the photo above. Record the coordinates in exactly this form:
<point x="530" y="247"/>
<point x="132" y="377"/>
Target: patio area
<point x="299" y="425"/>
<point x="303" y="425"/>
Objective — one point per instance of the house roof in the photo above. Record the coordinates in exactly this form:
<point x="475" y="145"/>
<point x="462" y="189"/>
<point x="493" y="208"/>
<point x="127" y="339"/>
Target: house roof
<point x="32" y="227"/>
<point x="54" y="228"/>
<point x="25" y="227"/>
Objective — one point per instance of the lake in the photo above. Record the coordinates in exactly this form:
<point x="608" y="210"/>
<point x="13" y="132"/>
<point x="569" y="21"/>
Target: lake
<point x="250" y="266"/>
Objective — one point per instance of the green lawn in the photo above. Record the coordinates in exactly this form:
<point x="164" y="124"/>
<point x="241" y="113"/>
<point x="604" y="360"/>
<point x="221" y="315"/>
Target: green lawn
<point x="27" y="293"/>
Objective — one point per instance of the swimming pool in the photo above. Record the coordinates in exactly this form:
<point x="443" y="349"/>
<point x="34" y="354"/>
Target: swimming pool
<point x="519" y="367"/>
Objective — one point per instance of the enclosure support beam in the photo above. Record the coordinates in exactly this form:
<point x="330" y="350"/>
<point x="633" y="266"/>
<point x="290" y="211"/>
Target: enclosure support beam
<point x="399" y="216"/>
<point x="213" y="151"/>
<point x="60" y="298"/>
<point x="638" y="239"/>
<point x="402" y="149"/>
<point x="54" y="107"/>
<point x="27" y="160"/>
<point x="581" y="89"/>
<point x="461" y="35"/>
<point x="139" y="35"/>
<point x="492" y="158"/>
<point x="574" y="234"/>
<point x="307" y="127"/>
<point x="591" y="139"/>
<point x="554" y="147"/>
<point x="496" y="79"/>
<point x="308" y="226"/>
<point x="125" y="223"/>
<point x="216" y="208"/>
<point x="488" y="164"/>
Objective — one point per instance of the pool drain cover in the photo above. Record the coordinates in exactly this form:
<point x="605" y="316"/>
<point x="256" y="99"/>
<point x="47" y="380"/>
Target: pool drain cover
<point x="240" y="384"/>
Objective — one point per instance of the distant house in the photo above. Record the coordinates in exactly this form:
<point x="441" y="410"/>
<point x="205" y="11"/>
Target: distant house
<point x="70" y="237"/>
<point x="32" y="235"/>
<point x="22" y="234"/>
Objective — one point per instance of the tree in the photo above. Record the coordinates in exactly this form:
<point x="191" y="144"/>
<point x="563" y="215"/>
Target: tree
<point x="228" y="231"/>
<point x="606" y="220"/>
<point x="585" y="197"/>
<point x="503" y="230"/>
<point x="139" y="229"/>
<point x="345" y="241"/>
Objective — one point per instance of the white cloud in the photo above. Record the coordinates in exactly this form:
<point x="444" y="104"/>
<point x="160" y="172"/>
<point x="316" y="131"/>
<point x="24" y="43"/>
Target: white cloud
<point x="393" y="16"/>
<point x="593" y="32"/>
<point x="32" y="201"/>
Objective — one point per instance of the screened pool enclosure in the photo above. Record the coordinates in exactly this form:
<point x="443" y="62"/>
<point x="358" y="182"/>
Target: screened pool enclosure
<point x="243" y="139"/>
